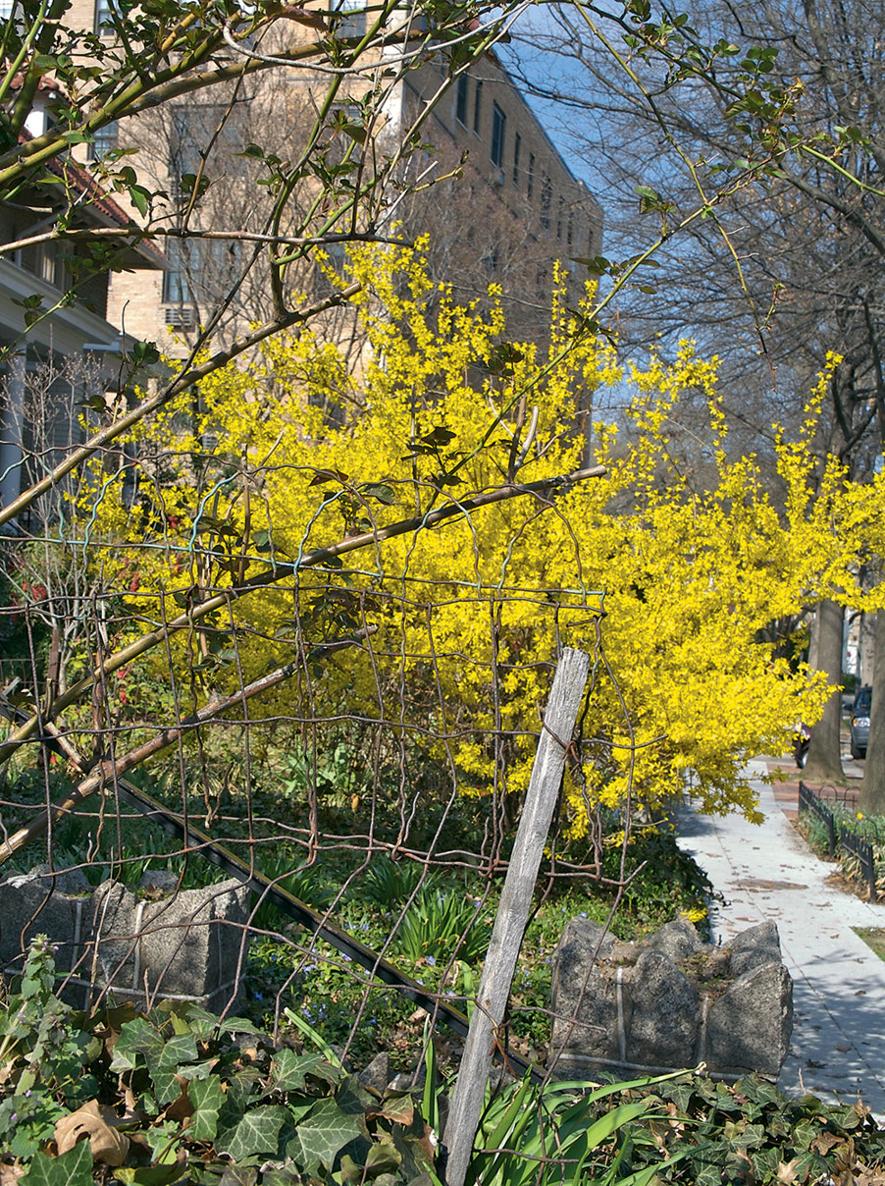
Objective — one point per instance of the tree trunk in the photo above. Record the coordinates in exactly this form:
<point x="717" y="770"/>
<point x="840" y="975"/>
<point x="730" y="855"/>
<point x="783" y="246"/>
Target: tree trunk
<point x="824" y="754"/>
<point x="872" y="791"/>
<point x="866" y="649"/>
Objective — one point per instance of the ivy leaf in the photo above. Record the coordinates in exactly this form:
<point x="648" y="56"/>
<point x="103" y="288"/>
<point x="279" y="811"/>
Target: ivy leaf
<point x="708" y="1175"/>
<point x="383" y="1158"/>
<point x="257" y="1132"/>
<point x="206" y="1098"/>
<point x="288" y="1070"/>
<point x="73" y="1168"/>
<point x="322" y="1135"/>
<point x="137" y="1038"/>
<point x="151" y="1175"/>
<point x="164" y="1067"/>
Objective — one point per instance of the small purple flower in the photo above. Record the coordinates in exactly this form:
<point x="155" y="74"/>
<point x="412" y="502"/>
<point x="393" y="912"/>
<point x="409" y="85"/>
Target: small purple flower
<point x="430" y="960"/>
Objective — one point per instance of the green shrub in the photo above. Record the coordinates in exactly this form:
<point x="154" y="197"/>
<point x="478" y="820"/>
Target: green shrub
<point x="181" y="1095"/>
<point x="441" y="924"/>
<point x="388" y="883"/>
<point x="701" y="1133"/>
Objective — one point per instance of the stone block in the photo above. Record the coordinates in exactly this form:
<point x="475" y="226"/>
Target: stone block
<point x="669" y="1001"/>
<point x="30" y="904"/>
<point x="754" y="947"/>
<point x="664" y="1017"/>
<point x="677" y="940"/>
<point x="184" y="945"/>
<point x="749" y="1026"/>
<point x="585" y="996"/>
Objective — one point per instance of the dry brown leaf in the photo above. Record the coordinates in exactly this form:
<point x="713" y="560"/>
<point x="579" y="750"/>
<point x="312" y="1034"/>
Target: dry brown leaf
<point x="869" y="1177"/>
<point x="825" y="1141"/>
<point x="181" y="1108"/>
<point x="96" y="1121"/>
<point x="10" y="1174"/>
<point x="786" y="1171"/>
<point x="398" y="1108"/>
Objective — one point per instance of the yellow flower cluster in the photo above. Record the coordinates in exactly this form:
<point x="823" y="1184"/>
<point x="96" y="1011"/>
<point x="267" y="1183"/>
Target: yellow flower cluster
<point x="296" y="449"/>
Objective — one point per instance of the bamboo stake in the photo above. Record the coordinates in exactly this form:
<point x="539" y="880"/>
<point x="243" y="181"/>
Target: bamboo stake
<point x="512" y="915"/>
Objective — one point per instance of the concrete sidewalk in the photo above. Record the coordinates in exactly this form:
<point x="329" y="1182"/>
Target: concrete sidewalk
<point x="768" y="872"/>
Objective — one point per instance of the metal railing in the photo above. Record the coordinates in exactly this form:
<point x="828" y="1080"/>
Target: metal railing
<point x="839" y="836"/>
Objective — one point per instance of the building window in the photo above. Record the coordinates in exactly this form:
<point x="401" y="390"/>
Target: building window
<point x="517" y="149"/>
<point x="570" y="235"/>
<point x="499" y="132"/>
<point x="530" y="187"/>
<point x="461" y="99"/>
<point x="184" y="157"/>
<point x="560" y="211"/>
<point x="176" y="290"/>
<point x="6" y="7"/>
<point x="350" y="18"/>
<point x="477" y="107"/>
<point x="104" y="16"/>
<point x="105" y="141"/>
<point x="546" y="202"/>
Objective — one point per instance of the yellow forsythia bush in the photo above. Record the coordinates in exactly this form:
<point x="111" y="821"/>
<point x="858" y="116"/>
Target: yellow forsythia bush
<point x="295" y="450"/>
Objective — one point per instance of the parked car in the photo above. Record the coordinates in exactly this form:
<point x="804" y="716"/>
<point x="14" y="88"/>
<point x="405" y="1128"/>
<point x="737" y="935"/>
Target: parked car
<point x="859" y="728"/>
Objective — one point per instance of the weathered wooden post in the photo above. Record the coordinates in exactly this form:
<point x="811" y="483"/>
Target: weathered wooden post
<point x="513" y="912"/>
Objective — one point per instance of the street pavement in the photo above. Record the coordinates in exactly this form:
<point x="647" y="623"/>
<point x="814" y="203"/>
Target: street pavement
<point x="768" y="872"/>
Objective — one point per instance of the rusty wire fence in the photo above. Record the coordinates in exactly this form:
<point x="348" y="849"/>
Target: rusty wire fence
<point x="306" y="798"/>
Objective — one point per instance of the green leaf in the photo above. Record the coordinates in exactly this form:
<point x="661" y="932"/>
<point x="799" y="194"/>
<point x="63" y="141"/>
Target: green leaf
<point x="151" y="1175"/>
<point x="288" y="1070"/>
<point x="137" y="1038"/>
<point x="181" y="1048"/>
<point x="257" y="1132"/>
<point x="73" y="1168"/>
<point x="164" y="1068"/>
<point x="322" y="1135"/>
<point x="439" y="436"/>
<point x="327" y="475"/>
<point x="381" y="491"/>
<point x="309" y="1032"/>
<point x="145" y="353"/>
<point x="207" y="1098"/>
<point x="708" y="1175"/>
<point x="383" y="1158"/>
<point x="140" y="198"/>
<point x="162" y="1139"/>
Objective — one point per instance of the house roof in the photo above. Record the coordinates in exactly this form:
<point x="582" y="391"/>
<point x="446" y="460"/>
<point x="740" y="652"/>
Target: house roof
<point x="98" y="206"/>
<point x="103" y="207"/>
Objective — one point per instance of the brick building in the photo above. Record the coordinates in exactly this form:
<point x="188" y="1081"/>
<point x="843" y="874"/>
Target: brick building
<point x="516" y="208"/>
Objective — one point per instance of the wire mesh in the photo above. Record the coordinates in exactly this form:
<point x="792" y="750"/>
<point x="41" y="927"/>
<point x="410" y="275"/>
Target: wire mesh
<point x="375" y="772"/>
